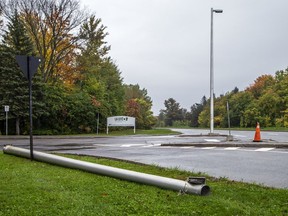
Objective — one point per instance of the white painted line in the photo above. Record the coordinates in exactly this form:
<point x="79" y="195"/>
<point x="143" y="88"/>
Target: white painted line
<point x="150" y="145"/>
<point x="235" y="135"/>
<point x="208" y="147"/>
<point x="132" y="145"/>
<point x="146" y="146"/>
<point x="212" y="140"/>
<point x="159" y="144"/>
<point x="264" y="149"/>
<point x="155" y="142"/>
<point x="271" y="151"/>
<point x="232" y="148"/>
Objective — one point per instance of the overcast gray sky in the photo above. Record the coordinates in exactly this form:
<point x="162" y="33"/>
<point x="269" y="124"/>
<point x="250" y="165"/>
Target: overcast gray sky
<point x="164" y="45"/>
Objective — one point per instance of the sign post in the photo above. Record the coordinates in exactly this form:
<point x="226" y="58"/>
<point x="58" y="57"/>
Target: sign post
<point x="29" y="65"/>
<point x="228" y="118"/>
<point x="97" y="123"/>
<point x="6" y="109"/>
<point x="229" y="137"/>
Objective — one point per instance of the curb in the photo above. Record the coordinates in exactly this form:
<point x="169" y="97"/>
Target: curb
<point x="51" y="137"/>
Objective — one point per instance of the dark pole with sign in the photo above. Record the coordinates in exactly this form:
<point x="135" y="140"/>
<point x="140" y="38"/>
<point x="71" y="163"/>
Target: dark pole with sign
<point x="6" y="109"/>
<point x="29" y="65"/>
<point x="30" y="108"/>
<point x="6" y="123"/>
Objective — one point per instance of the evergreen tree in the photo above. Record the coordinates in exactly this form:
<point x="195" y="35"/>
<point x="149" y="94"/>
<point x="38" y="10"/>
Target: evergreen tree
<point x="109" y="74"/>
<point x="92" y="34"/>
<point x="13" y="85"/>
<point x="173" y="112"/>
<point x="196" y="109"/>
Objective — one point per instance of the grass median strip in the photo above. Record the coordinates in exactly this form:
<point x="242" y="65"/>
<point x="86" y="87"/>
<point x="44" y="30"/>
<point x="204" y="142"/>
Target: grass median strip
<point x="35" y="188"/>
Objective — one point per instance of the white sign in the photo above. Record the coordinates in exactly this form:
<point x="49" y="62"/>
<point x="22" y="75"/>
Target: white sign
<point x="121" y="121"/>
<point x="6" y="108"/>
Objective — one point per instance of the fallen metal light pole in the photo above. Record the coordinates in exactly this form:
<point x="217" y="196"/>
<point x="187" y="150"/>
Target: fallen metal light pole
<point x="191" y="186"/>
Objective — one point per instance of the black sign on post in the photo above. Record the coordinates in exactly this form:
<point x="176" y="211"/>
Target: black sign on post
<point x="29" y="65"/>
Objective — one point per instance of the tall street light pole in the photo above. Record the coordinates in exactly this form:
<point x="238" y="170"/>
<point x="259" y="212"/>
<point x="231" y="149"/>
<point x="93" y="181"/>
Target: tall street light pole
<point x="212" y="73"/>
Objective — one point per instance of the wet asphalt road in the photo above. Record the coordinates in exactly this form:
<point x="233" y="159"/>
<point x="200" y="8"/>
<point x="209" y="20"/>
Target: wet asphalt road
<point x="268" y="166"/>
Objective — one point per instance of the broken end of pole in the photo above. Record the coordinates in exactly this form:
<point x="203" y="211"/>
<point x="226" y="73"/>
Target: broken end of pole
<point x="205" y="190"/>
<point x="197" y="185"/>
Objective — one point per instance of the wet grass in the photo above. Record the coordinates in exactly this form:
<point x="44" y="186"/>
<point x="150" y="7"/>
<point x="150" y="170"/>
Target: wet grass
<point x="127" y="132"/>
<point x="113" y="132"/>
<point x="153" y="132"/>
<point x="35" y="188"/>
<point x="274" y="129"/>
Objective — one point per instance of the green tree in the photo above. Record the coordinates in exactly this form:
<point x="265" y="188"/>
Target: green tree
<point x="204" y="117"/>
<point x="220" y="112"/>
<point x="235" y="90"/>
<point x="173" y="112"/>
<point x="134" y="91"/>
<point x="251" y="115"/>
<point x="93" y="52"/>
<point x="281" y="89"/>
<point x="195" y="111"/>
<point x="238" y="104"/>
<point x="54" y="120"/>
<point x="269" y="105"/>
<point x="161" y="119"/>
<point x="100" y="77"/>
<point x="92" y="35"/>
<point x="13" y="85"/>
<point x="138" y="105"/>
<point x="114" y="95"/>
<point x="70" y="111"/>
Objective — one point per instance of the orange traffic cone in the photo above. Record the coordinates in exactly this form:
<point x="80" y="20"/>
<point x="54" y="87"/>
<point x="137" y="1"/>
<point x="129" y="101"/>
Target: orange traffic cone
<point x="257" y="137"/>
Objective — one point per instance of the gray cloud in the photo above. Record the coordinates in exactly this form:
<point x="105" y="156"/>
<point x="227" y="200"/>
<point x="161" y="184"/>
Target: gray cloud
<point x="164" y="45"/>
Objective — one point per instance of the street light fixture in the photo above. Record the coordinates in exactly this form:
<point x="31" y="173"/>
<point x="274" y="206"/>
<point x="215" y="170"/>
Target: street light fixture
<point x="212" y="73"/>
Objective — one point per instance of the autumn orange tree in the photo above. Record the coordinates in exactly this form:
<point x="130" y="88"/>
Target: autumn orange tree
<point x="51" y="24"/>
<point x="260" y="85"/>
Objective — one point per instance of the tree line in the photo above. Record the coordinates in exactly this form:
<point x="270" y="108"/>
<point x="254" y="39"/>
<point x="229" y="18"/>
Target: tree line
<point x="77" y="81"/>
<point x="264" y="101"/>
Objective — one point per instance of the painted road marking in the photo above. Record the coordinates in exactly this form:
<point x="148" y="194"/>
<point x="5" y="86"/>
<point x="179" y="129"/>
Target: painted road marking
<point x="232" y="148"/>
<point x="132" y="145"/>
<point x="264" y="149"/>
<point x="151" y="145"/>
<point x="208" y="147"/>
<point x="158" y="145"/>
<point x="212" y="140"/>
<point x="239" y="135"/>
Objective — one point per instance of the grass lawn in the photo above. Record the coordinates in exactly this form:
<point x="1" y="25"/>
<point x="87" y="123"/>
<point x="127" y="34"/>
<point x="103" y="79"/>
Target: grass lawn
<point x="122" y="132"/>
<point x="155" y="132"/>
<point x="35" y="188"/>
